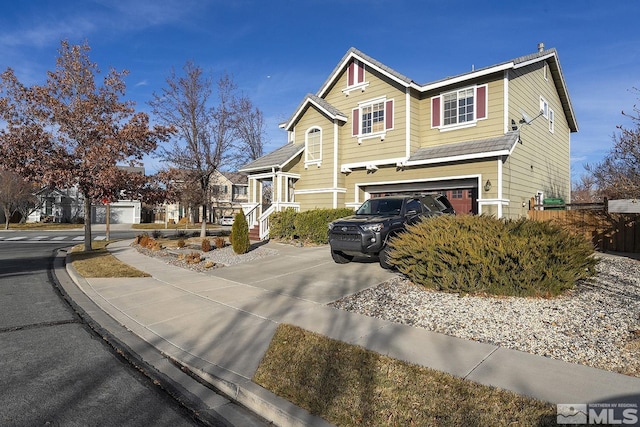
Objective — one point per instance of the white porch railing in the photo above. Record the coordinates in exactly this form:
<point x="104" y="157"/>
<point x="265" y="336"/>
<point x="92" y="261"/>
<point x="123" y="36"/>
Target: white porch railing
<point x="251" y="212"/>
<point x="263" y="220"/>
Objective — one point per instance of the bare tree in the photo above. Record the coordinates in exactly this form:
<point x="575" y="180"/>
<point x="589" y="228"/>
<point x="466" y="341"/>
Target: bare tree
<point x="584" y="191"/>
<point x="250" y="129"/>
<point x="618" y="175"/>
<point x="16" y="195"/>
<point x="72" y="132"/>
<point x="207" y="137"/>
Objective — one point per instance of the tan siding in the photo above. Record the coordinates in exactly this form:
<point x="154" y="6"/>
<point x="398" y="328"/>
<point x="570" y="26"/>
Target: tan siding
<point x="315" y="201"/>
<point x="492" y="126"/>
<point x="419" y="114"/>
<point x="314" y="176"/>
<point x="541" y="162"/>
<point x="370" y="149"/>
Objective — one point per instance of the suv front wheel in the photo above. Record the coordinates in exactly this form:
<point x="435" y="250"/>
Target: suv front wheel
<point x="341" y="258"/>
<point x="384" y="258"/>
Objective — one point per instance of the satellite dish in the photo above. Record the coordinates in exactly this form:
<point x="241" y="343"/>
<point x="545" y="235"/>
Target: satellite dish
<point x="525" y="118"/>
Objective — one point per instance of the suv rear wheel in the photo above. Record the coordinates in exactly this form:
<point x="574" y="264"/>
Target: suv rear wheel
<point x="341" y="258"/>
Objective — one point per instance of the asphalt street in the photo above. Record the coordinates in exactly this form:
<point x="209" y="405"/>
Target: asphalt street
<point x="54" y="370"/>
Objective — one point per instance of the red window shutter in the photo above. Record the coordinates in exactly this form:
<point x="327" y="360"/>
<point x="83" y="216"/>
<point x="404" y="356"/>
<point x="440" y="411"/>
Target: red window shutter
<point x="481" y="102"/>
<point x="355" y="128"/>
<point x="388" y="115"/>
<point x="360" y="73"/>
<point x="435" y="112"/>
<point x="351" y="73"/>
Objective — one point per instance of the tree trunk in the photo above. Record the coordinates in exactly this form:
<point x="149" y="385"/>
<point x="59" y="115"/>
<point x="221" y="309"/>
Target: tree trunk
<point x="7" y="218"/>
<point x="203" y="228"/>
<point x="87" y="225"/>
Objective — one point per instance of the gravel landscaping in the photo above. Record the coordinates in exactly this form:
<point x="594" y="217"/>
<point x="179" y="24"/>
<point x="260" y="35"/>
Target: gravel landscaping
<point x="597" y="324"/>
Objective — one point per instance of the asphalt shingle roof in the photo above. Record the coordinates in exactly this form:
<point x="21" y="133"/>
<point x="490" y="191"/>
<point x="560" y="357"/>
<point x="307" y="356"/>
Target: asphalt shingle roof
<point x="277" y="158"/>
<point x="502" y="143"/>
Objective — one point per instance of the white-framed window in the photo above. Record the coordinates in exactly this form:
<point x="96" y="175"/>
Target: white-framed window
<point x="552" y="120"/>
<point x="372" y="118"/>
<point x="544" y="108"/>
<point x="546" y="71"/>
<point x="313" y="146"/>
<point x="459" y="108"/>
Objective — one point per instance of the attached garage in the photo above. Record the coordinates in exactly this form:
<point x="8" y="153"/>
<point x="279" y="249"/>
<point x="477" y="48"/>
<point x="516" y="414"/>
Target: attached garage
<point x="462" y="193"/>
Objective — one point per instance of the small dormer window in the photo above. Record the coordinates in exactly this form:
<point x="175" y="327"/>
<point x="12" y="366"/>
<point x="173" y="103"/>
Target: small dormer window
<point x="355" y="77"/>
<point x="355" y="73"/>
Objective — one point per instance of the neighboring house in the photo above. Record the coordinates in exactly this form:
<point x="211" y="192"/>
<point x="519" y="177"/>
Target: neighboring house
<point x="67" y="205"/>
<point x="229" y="191"/>
<point x="490" y="139"/>
<point x="58" y="206"/>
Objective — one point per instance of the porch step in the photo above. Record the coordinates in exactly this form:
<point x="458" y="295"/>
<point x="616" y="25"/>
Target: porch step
<point x="254" y="233"/>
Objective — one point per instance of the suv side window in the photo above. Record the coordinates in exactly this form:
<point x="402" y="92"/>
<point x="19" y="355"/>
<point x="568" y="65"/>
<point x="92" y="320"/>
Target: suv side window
<point x="413" y="205"/>
<point x="430" y="204"/>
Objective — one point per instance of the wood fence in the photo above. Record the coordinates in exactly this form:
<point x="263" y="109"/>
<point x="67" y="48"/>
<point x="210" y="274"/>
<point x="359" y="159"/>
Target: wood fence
<point x="609" y="232"/>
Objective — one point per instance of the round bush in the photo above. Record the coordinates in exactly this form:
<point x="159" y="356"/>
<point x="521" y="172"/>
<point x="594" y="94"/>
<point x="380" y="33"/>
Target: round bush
<point x="485" y="255"/>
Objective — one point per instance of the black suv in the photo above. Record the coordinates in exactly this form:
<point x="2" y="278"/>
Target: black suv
<point x="366" y="233"/>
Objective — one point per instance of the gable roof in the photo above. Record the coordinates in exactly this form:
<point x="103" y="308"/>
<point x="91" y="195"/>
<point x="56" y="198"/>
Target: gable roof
<point x="549" y="55"/>
<point x="276" y="159"/>
<point x="369" y="62"/>
<point x="236" y="178"/>
<point x="321" y="104"/>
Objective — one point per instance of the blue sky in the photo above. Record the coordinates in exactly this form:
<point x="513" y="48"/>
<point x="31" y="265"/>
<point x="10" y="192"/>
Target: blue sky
<point x="278" y="51"/>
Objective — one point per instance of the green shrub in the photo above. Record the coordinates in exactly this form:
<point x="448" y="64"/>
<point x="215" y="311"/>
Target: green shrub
<point x="240" y="232"/>
<point x="312" y="226"/>
<point x="309" y="226"/>
<point x="281" y="224"/>
<point x="485" y="255"/>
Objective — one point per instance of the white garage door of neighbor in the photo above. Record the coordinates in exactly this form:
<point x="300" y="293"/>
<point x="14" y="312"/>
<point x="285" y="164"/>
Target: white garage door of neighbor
<point x="122" y="214"/>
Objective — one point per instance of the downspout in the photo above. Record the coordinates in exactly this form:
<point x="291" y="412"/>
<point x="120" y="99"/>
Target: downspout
<point x="500" y="187"/>
<point x="275" y="194"/>
<point x="335" y="164"/>
<point x="408" y="124"/>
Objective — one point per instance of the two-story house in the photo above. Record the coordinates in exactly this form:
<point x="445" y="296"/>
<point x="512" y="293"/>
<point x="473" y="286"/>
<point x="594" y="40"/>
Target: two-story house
<point x="491" y="139"/>
<point x="228" y="191"/>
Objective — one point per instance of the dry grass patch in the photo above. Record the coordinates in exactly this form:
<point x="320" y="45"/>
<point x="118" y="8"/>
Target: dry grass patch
<point x="45" y="226"/>
<point x="100" y="263"/>
<point x="351" y="386"/>
<point x="159" y="226"/>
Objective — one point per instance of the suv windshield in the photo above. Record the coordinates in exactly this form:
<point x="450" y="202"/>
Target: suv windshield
<point x="380" y="207"/>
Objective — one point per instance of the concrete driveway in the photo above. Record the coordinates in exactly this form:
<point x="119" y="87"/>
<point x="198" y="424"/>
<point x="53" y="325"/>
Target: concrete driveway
<point x="308" y="273"/>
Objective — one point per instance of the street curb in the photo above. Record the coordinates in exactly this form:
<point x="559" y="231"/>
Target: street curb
<point x="176" y="376"/>
<point x="122" y="340"/>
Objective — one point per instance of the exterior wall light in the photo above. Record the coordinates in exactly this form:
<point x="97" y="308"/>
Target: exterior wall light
<point x="487" y="185"/>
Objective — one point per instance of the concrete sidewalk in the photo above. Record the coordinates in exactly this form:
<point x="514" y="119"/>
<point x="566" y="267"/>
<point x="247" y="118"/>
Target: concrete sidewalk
<point x="219" y="324"/>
